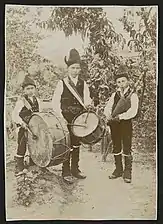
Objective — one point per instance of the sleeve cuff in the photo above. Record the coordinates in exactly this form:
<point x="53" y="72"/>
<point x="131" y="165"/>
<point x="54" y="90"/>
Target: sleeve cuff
<point x="121" y="117"/>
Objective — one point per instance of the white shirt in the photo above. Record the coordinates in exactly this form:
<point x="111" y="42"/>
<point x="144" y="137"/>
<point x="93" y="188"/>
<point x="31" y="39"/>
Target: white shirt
<point x="130" y="113"/>
<point x="56" y="99"/>
<point x="18" y="107"/>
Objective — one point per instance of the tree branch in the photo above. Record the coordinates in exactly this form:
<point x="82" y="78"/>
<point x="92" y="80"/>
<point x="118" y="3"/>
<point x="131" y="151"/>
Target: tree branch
<point x="145" y="19"/>
<point x="142" y="95"/>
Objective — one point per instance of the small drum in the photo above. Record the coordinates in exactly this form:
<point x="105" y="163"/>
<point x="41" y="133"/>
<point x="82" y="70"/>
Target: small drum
<point x="52" y="145"/>
<point x="88" y="127"/>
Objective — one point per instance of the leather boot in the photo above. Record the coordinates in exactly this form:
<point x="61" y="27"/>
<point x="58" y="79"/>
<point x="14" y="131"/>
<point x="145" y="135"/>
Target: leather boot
<point x="75" y="164"/>
<point x="19" y="165"/>
<point x="119" y="167"/>
<point x="66" y="173"/>
<point x="127" y="175"/>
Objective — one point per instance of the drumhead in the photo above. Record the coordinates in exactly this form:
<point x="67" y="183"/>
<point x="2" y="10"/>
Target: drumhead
<point x="89" y="121"/>
<point x="41" y="148"/>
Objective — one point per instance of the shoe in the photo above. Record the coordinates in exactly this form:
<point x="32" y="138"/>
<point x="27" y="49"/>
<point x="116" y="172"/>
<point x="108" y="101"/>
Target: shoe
<point x="127" y="176"/>
<point x="127" y="180"/>
<point x="116" y="174"/>
<point x="18" y="173"/>
<point x="68" y="179"/>
<point x="78" y="175"/>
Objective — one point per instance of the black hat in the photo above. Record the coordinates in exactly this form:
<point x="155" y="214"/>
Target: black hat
<point x="74" y="58"/>
<point x="122" y="72"/>
<point x="28" y="81"/>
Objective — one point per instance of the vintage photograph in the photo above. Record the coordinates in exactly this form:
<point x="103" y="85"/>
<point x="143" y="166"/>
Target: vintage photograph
<point x="80" y="114"/>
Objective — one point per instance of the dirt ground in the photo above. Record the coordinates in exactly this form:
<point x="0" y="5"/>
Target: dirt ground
<point x="96" y="197"/>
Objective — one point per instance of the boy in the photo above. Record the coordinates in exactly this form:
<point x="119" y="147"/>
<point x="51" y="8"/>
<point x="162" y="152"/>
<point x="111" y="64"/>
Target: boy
<point x="66" y="102"/>
<point x="121" y="127"/>
<point x="21" y="114"/>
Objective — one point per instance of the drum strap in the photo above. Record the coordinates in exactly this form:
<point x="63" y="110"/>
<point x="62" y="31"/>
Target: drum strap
<point x="26" y="104"/>
<point x="73" y="91"/>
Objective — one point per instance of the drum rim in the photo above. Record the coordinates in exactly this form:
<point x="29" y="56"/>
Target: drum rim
<point x="65" y="132"/>
<point x="95" y="141"/>
<point x="82" y="112"/>
<point x="103" y="131"/>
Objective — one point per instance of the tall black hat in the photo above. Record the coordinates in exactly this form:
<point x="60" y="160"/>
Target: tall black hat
<point x="74" y="58"/>
<point x="28" y="81"/>
<point x="122" y="72"/>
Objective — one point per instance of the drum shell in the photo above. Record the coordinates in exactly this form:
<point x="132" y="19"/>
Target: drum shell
<point x="58" y="135"/>
<point x="60" y="152"/>
<point x="93" y="137"/>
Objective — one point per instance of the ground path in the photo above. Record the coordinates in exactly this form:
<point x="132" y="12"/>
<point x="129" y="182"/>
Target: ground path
<point x="96" y="197"/>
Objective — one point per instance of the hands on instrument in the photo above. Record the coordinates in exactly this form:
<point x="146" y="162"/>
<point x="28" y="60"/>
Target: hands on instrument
<point x="90" y="107"/>
<point x="24" y="125"/>
<point x="110" y="118"/>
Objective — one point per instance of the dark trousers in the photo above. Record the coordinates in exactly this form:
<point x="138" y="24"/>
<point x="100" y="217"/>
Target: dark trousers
<point x="22" y="142"/>
<point x="121" y="134"/>
<point x="72" y="164"/>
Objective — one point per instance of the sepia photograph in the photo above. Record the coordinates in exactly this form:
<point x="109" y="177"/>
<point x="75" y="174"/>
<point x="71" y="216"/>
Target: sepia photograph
<point x="80" y="113"/>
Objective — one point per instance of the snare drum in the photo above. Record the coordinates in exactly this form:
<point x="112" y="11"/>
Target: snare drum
<point x="88" y="127"/>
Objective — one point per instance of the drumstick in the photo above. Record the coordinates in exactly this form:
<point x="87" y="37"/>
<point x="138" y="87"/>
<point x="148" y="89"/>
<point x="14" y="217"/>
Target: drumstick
<point x="87" y="116"/>
<point x="33" y="135"/>
<point x="79" y="125"/>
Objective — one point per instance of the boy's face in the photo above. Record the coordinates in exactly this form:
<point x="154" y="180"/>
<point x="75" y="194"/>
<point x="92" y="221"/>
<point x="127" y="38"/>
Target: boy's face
<point x="30" y="90"/>
<point x="122" y="82"/>
<point x="74" y="70"/>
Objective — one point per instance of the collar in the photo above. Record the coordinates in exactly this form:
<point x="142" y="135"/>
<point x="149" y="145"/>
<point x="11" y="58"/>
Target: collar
<point x="125" y="90"/>
<point x="31" y="98"/>
<point x="74" y="79"/>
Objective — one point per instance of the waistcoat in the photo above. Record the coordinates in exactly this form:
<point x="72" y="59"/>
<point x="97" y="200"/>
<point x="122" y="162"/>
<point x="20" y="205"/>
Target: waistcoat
<point x="25" y="113"/>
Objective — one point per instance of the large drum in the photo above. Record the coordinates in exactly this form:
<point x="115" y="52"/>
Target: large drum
<point x="52" y="143"/>
<point x="88" y="127"/>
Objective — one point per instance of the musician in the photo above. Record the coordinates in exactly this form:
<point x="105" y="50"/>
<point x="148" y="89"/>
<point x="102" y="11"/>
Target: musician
<point x="24" y="107"/>
<point x="66" y="102"/>
<point x="121" y="127"/>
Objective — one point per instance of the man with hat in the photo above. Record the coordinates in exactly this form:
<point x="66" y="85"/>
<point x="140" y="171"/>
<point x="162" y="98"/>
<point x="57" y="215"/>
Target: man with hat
<point x="69" y="97"/>
<point x="24" y="107"/>
<point x="121" y="126"/>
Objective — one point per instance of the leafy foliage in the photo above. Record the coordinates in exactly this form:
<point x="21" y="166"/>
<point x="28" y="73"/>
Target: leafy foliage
<point x="91" y="23"/>
<point x="101" y="58"/>
<point x="102" y="54"/>
<point x="20" y="46"/>
<point x="143" y="40"/>
<point x="21" y="53"/>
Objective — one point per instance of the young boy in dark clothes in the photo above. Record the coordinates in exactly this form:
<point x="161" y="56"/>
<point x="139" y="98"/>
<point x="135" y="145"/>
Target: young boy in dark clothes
<point x="24" y="107"/>
<point x="121" y="127"/>
<point x="67" y="107"/>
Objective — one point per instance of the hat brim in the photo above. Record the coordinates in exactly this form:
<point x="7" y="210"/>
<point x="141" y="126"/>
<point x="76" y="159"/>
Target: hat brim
<point x="121" y="75"/>
<point x="71" y="62"/>
<point x="29" y="84"/>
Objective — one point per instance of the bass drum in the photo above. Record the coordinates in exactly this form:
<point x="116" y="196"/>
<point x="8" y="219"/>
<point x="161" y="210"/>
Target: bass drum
<point x="52" y="145"/>
<point x="88" y="127"/>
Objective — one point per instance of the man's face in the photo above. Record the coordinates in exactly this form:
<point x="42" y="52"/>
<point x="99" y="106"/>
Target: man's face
<point x="29" y="90"/>
<point x="74" y="70"/>
<point x="122" y="82"/>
